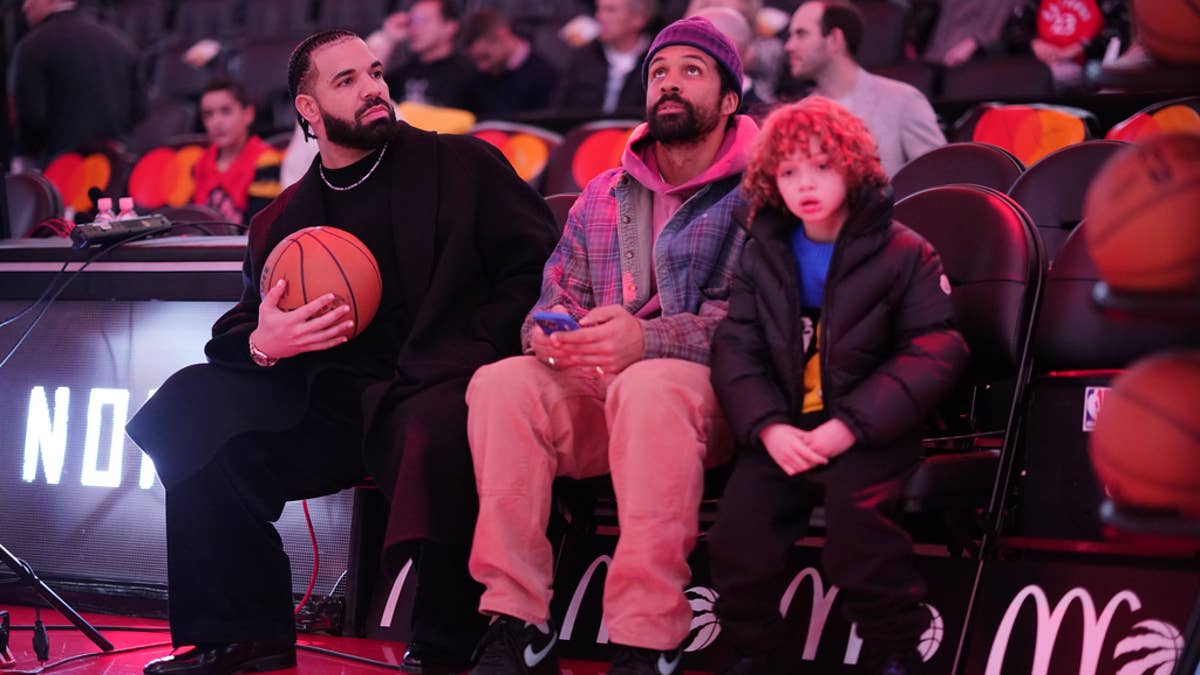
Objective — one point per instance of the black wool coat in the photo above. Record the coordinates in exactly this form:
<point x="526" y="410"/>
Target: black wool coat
<point x="887" y="347"/>
<point x="471" y="239"/>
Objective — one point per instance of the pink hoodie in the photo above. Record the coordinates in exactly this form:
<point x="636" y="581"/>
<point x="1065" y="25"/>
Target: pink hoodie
<point x="639" y="162"/>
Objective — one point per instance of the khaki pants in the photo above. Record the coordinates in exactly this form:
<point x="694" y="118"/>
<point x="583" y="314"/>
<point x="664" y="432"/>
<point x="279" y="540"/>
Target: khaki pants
<point x="655" y="427"/>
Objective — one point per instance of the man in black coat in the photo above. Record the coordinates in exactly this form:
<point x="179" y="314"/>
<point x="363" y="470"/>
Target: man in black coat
<point x="287" y="408"/>
<point x="75" y="81"/>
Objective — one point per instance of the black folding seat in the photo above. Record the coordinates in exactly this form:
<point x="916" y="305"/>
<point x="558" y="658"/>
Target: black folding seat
<point x="975" y="163"/>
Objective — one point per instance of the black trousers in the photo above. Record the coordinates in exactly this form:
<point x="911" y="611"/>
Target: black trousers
<point x="229" y="579"/>
<point x="867" y="554"/>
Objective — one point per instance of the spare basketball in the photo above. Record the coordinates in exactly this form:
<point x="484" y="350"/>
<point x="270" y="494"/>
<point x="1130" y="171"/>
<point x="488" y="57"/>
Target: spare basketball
<point x="1146" y="446"/>
<point x="1140" y="216"/>
<point x="319" y="260"/>
<point x="1169" y="29"/>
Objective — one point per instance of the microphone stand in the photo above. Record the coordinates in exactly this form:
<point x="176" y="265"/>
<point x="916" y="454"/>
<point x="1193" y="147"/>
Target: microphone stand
<point x="27" y="575"/>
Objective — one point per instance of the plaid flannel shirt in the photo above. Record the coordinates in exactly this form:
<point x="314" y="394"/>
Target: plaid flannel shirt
<point x="603" y="258"/>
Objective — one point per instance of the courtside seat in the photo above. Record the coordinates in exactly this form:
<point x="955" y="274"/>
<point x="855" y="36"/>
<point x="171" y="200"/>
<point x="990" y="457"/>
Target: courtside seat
<point x="993" y="257"/>
<point x="1052" y="190"/>
<point x="527" y="148"/>
<point x="560" y="205"/>
<point x="105" y="166"/>
<point x="587" y="151"/>
<point x="163" y="175"/>
<point x="975" y="163"/>
<point x="1078" y="349"/>
<point x="1179" y="114"/>
<point x="31" y="199"/>
<point x="1029" y="132"/>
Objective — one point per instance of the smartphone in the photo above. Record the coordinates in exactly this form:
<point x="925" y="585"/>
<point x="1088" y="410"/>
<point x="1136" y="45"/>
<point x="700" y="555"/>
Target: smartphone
<point x="554" y="321"/>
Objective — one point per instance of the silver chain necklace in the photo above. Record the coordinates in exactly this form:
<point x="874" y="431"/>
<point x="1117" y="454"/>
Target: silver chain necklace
<point x="331" y="186"/>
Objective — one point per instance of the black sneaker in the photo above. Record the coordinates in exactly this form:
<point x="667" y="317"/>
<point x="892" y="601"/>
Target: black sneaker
<point x="638" y="661"/>
<point x="513" y="647"/>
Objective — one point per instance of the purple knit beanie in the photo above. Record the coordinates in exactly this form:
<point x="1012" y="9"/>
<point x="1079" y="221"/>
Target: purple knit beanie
<point x="698" y="32"/>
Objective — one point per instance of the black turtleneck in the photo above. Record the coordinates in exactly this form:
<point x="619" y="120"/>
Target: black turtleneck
<point x="365" y="212"/>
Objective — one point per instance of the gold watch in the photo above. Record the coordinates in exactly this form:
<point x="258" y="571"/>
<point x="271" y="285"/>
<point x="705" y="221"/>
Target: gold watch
<point x="259" y="356"/>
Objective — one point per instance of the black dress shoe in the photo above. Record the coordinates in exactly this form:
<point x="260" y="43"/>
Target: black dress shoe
<point x="237" y="657"/>
<point x="427" y="659"/>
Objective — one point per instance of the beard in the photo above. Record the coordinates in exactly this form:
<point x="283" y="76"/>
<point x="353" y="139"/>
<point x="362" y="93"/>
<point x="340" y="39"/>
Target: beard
<point x="680" y="128"/>
<point x="355" y="134"/>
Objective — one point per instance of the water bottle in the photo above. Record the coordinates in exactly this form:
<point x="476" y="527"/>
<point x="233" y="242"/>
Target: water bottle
<point x="127" y="211"/>
<point x="104" y="213"/>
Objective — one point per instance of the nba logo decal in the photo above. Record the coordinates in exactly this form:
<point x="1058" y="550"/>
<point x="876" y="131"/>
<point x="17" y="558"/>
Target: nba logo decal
<point x="1093" y="399"/>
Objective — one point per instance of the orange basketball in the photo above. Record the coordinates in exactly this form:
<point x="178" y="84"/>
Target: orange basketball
<point x="319" y="260"/>
<point x="1169" y="29"/>
<point x="1146" y="446"/>
<point x="1141" y="218"/>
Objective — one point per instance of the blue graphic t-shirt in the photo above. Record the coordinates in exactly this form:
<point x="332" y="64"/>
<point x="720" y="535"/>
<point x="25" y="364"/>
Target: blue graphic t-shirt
<point x="812" y="266"/>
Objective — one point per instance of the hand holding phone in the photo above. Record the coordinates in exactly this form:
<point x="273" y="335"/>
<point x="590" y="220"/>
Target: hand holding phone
<point x="552" y="322"/>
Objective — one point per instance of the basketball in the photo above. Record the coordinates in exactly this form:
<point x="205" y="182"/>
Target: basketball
<point x="1140" y="216"/>
<point x="1146" y="445"/>
<point x="1169" y="29"/>
<point x="319" y="260"/>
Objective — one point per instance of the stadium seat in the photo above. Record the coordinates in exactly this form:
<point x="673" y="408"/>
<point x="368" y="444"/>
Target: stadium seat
<point x="171" y="77"/>
<point x="360" y="16"/>
<point x="277" y="18"/>
<point x="199" y="19"/>
<point x="527" y="147"/>
<point x="1180" y="114"/>
<point x="261" y="64"/>
<point x="993" y="257"/>
<point x="1052" y="190"/>
<point x="974" y="163"/>
<point x="144" y="21"/>
<point x="587" y="151"/>
<point x="1001" y="78"/>
<point x="163" y="176"/>
<point x="883" y="33"/>
<point x="31" y="199"/>
<point x="1029" y="132"/>
<point x="164" y="120"/>
<point x="560" y="205"/>
<point x="1077" y="350"/>
<point x="105" y="166"/>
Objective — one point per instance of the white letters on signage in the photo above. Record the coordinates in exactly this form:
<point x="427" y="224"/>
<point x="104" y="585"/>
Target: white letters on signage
<point x="92" y="474"/>
<point x="1095" y="629"/>
<point x="389" y="608"/>
<point x="44" y="438"/>
<point x="568" y="625"/>
<point x="821" y="604"/>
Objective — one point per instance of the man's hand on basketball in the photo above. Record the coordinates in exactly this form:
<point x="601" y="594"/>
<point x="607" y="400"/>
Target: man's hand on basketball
<point x="788" y="446"/>
<point x="609" y="338"/>
<point x="281" y="334"/>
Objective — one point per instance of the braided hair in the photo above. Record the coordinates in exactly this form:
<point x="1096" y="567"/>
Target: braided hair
<point x="300" y="65"/>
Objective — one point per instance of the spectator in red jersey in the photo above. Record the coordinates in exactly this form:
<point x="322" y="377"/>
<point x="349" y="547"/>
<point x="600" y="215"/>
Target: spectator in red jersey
<point x="1065" y="34"/>
<point x="238" y="174"/>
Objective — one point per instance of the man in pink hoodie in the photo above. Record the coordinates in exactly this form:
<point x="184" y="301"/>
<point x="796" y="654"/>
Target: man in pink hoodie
<point x="644" y="266"/>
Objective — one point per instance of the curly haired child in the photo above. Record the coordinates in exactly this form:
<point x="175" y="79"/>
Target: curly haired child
<point x="838" y="344"/>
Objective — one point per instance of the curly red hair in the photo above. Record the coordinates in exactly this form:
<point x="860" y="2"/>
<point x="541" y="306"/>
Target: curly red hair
<point x="841" y="135"/>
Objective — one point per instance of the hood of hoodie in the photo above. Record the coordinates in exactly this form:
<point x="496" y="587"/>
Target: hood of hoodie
<point x="731" y="159"/>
